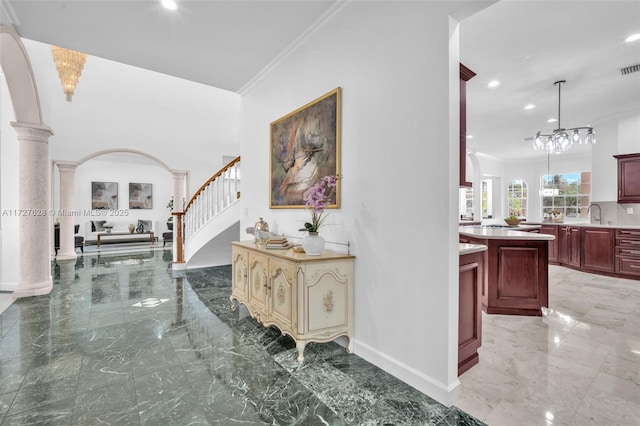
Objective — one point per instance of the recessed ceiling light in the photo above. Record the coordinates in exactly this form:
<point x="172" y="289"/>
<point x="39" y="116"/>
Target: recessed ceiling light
<point x="632" y="37"/>
<point x="552" y="120"/>
<point x="493" y="83"/>
<point x="469" y="136"/>
<point x="529" y="106"/>
<point x="169" y="4"/>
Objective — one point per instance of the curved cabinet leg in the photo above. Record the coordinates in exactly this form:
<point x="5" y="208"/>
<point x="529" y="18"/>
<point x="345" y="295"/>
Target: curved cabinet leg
<point x="300" y="345"/>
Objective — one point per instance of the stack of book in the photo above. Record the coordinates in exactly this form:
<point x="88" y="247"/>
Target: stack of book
<point x="278" y="242"/>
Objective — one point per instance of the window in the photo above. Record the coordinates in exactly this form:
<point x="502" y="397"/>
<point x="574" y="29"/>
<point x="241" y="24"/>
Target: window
<point x="566" y="195"/>
<point x="467" y="211"/>
<point x="517" y="198"/>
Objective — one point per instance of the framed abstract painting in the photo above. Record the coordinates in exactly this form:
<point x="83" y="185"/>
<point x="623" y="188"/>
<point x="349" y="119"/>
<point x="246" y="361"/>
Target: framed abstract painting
<point x="305" y="146"/>
<point x="140" y="196"/>
<point x="104" y="195"/>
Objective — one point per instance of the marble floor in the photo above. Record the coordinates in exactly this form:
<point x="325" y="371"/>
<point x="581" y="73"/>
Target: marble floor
<point x="5" y="300"/>
<point x="577" y="365"/>
<point x="121" y="340"/>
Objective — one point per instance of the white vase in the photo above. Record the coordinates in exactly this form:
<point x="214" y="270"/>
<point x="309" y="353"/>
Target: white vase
<point x="313" y="244"/>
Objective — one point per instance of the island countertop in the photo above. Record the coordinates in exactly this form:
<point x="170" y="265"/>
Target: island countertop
<point x="502" y="233"/>
<point x="591" y="225"/>
<point x="465" y="248"/>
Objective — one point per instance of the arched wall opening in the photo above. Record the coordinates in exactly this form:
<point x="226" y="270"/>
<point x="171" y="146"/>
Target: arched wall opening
<point x="124" y="170"/>
<point x="24" y="185"/>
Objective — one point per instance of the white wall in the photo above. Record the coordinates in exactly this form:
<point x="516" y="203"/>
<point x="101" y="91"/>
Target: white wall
<point x="530" y="171"/>
<point x="120" y="106"/>
<point x="616" y="136"/>
<point x="397" y="126"/>
<point x="629" y="135"/>
<point x="123" y="173"/>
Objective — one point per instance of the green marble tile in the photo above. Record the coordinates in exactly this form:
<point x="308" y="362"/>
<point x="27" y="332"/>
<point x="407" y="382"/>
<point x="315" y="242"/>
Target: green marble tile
<point x="86" y="354"/>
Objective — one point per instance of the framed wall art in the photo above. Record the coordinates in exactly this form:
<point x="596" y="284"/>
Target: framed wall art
<point x="104" y="195"/>
<point x="140" y="196"/>
<point x="305" y="146"/>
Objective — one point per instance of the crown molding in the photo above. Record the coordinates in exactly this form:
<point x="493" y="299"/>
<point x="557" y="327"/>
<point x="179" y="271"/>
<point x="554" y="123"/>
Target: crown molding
<point x="8" y="15"/>
<point x="295" y="44"/>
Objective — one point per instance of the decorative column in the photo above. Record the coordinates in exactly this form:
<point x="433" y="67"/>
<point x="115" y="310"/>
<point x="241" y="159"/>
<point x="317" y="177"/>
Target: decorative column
<point x="33" y="204"/>
<point x="178" y="196"/>
<point x="67" y="207"/>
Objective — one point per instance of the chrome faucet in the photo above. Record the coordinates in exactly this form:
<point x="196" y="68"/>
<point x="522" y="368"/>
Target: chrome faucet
<point x="599" y="218"/>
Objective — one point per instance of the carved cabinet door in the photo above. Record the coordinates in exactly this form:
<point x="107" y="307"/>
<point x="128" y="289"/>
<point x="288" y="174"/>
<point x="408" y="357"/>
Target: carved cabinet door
<point x="282" y="293"/>
<point x="258" y="282"/>
<point x="239" y="270"/>
<point x="326" y="296"/>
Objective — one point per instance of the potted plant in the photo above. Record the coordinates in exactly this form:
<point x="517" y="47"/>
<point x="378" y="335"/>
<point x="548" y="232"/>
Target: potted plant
<point x="317" y="198"/>
<point x="170" y="219"/>
<point x="170" y="207"/>
<point x="513" y="220"/>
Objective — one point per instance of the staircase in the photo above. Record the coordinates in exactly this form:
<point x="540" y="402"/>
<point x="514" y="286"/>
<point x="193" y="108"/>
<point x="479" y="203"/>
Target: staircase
<point x="212" y="219"/>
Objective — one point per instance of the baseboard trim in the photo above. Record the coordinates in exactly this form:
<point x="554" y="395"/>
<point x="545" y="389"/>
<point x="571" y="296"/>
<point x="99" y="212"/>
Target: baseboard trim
<point x="8" y="287"/>
<point x="179" y="266"/>
<point x="442" y="393"/>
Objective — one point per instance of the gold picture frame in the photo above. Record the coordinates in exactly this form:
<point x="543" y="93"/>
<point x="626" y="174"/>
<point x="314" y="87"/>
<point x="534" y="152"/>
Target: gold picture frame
<point x="305" y="146"/>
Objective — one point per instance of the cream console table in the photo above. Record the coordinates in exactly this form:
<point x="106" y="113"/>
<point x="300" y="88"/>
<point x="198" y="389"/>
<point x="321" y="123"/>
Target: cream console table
<point x="309" y="298"/>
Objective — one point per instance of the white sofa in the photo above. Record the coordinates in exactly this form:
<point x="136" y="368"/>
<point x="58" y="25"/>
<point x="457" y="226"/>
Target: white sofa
<point x="95" y="227"/>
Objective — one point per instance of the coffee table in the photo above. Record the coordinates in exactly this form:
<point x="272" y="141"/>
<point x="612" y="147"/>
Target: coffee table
<point x="115" y="234"/>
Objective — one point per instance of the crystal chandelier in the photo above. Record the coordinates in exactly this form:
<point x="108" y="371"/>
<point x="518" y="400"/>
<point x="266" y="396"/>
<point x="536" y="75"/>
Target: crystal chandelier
<point x="69" y="64"/>
<point x="562" y="139"/>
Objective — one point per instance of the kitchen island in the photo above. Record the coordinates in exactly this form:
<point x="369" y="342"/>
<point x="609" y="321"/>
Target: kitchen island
<point x="517" y="268"/>
<point x="471" y="281"/>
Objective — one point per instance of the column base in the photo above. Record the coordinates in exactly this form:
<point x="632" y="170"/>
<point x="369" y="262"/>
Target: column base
<point x="179" y="266"/>
<point x="33" y="289"/>
<point x="67" y="256"/>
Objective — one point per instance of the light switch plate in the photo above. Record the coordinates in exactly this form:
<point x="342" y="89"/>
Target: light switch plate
<point x="629" y="210"/>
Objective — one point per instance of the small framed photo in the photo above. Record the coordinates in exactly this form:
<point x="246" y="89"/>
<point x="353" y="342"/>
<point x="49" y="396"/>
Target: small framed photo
<point x="140" y="195"/>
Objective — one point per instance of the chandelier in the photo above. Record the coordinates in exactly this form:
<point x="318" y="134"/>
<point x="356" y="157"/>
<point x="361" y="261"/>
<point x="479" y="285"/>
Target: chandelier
<point x="562" y="139"/>
<point x="69" y="64"/>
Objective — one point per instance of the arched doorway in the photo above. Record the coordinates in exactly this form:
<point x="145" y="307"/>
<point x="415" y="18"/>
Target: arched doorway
<point x="122" y="166"/>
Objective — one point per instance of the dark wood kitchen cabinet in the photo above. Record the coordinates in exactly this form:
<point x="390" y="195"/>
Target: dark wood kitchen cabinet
<point x="597" y="249"/>
<point x="628" y="253"/>
<point x="569" y="245"/>
<point x="628" y="178"/>
<point x="465" y="75"/>
<point x="553" y="244"/>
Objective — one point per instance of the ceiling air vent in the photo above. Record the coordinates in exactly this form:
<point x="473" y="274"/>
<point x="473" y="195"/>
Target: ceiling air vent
<point x="629" y="70"/>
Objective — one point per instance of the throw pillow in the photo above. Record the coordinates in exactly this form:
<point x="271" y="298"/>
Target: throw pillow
<point x="98" y="225"/>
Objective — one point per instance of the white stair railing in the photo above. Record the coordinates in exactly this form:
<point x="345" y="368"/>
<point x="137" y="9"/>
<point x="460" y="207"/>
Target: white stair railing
<point x="215" y="195"/>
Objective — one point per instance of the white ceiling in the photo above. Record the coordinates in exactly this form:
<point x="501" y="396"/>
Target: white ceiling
<point x="219" y="43"/>
<point x="530" y="45"/>
<point x="525" y="45"/>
